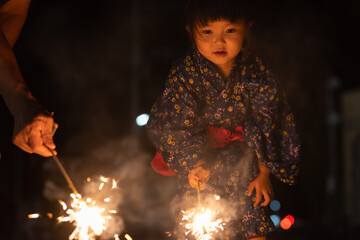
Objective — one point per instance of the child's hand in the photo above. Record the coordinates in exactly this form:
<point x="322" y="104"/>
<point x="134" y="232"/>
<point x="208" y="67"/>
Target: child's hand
<point x="198" y="173"/>
<point x="262" y="186"/>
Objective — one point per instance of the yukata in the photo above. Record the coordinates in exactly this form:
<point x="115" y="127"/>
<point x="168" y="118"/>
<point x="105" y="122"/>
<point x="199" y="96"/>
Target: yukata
<point x="199" y="115"/>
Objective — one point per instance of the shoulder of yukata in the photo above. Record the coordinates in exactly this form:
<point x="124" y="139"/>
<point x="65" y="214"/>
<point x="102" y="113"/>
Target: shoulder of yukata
<point x="258" y="77"/>
<point x="183" y="74"/>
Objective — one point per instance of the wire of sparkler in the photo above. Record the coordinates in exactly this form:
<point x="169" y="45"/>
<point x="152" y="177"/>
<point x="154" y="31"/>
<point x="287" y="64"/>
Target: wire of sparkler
<point x="198" y="191"/>
<point x="57" y="160"/>
<point x="63" y="171"/>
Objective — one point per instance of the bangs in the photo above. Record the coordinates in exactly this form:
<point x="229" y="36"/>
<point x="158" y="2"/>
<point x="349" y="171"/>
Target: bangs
<point x="200" y="12"/>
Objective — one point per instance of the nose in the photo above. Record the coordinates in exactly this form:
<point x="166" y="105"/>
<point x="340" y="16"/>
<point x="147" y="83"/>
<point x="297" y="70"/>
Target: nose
<point x="220" y="38"/>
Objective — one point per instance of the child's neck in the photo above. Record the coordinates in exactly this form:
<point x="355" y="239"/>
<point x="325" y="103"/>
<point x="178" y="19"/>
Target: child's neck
<point x="225" y="69"/>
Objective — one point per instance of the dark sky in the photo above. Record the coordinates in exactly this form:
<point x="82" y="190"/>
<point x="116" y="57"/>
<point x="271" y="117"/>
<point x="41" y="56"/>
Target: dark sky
<point x="96" y="66"/>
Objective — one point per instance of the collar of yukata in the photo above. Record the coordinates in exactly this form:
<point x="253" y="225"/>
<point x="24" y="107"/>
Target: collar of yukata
<point x="205" y="63"/>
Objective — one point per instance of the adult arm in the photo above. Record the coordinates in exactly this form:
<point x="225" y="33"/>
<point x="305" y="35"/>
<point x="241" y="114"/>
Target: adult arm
<point x="33" y="124"/>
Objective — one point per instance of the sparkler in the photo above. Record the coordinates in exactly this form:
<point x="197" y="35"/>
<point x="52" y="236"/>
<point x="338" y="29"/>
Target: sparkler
<point x="89" y="217"/>
<point x="200" y="223"/>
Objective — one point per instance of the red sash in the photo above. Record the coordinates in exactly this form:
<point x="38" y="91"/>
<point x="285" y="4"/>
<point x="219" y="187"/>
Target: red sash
<point x="220" y="137"/>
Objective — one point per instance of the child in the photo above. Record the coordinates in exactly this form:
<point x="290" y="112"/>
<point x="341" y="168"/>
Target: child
<point x="221" y="121"/>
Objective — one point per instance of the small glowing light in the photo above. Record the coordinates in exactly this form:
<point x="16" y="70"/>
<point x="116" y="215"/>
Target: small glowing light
<point x="217" y="197"/>
<point x="275" y="205"/>
<point x="285" y="223"/>
<point x="276" y="220"/>
<point x="88" y="200"/>
<point x="64" y="206"/>
<point x="34" y="215"/>
<point x="50" y="215"/>
<point x="116" y="237"/>
<point x="291" y="218"/>
<point x="113" y="211"/>
<point x="114" y="184"/>
<point x="88" y="179"/>
<point x="142" y="119"/>
<point x="101" y="186"/>
<point x="127" y="236"/>
<point x="104" y="179"/>
<point x="107" y="200"/>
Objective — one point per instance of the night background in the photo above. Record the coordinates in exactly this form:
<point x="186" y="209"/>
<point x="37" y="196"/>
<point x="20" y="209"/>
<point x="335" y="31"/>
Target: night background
<point x="99" y="64"/>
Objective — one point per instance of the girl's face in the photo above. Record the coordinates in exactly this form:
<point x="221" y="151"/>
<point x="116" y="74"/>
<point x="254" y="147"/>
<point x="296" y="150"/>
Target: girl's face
<point x="220" y="42"/>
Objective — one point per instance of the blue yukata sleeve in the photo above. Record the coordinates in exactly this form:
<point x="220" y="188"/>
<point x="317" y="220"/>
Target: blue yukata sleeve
<point x="174" y="126"/>
<point x="271" y="129"/>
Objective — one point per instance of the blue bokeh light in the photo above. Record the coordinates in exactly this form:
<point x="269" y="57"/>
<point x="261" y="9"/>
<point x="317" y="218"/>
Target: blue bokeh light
<point x="142" y="119"/>
<point x="276" y="220"/>
<point x="275" y="205"/>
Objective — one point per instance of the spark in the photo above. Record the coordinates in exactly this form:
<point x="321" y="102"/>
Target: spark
<point x="127" y="236"/>
<point x="34" y="215"/>
<point x="63" y="204"/>
<point x="101" y="186"/>
<point x="107" y="200"/>
<point x="104" y="179"/>
<point x="201" y="224"/>
<point x="114" y="184"/>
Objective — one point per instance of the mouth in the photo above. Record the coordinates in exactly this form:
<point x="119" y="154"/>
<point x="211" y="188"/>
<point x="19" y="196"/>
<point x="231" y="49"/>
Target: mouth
<point x="220" y="53"/>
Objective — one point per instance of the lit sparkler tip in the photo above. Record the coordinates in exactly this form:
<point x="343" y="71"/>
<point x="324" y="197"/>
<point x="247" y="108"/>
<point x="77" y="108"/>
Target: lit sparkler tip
<point x="202" y="225"/>
<point x="34" y="215"/>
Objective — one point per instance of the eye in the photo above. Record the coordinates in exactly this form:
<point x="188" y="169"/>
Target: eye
<point x="206" y="31"/>
<point x="231" y="30"/>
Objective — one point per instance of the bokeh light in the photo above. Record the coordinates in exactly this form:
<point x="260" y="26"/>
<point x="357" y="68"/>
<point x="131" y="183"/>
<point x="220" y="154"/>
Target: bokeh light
<point x="291" y="218"/>
<point x="285" y="223"/>
<point x="142" y="119"/>
<point x="275" y="205"/>
<point x="276" y="220"/>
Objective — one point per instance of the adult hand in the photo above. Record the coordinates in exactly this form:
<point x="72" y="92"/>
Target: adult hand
<point x="198" y="173"/>
<point x="37" y="137"/>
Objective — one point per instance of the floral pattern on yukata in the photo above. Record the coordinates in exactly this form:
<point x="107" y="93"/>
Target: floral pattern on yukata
<point x="197" y="96"/>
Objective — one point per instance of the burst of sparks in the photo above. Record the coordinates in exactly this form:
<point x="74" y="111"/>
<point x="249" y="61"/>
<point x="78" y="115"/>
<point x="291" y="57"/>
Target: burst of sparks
<point x="89" y="219"/>
<point x="202" y="224"/>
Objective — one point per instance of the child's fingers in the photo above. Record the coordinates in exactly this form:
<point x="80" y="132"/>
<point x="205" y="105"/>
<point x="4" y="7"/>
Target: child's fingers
<point x="258" y="198"/>
<point x="250" y="189"/>
<point x="267" y="199"/>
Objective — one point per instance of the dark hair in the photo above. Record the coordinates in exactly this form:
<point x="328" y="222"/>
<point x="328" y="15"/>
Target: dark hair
<point x="202" y="11"/>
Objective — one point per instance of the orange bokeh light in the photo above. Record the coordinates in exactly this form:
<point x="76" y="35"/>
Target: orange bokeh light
<point x="285" y="223"/>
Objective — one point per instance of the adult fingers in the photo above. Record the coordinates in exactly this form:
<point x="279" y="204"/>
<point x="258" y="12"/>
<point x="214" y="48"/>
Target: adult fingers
<point x="20" y="140"/>
<point x="36" y="143"/>
<point x="47" y="126"/>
